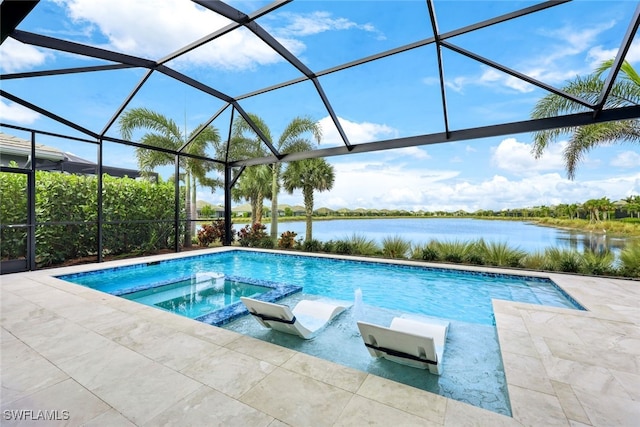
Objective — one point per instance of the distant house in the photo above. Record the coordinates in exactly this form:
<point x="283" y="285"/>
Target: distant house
<point x="18" y="150"/>
<point x="207" y="210"/>
<point x="241" y="210"/>
<point x="323" y="211"/>
<point x="298" y="210"/>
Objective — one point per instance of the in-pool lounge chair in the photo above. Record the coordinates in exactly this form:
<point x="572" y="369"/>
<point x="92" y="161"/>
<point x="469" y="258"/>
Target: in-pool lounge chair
<point x="306" y="318"/>
<point x="409" y="342"/>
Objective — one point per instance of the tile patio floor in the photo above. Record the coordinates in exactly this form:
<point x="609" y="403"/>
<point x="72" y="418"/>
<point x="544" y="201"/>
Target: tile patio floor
<point x="113" y="362"/>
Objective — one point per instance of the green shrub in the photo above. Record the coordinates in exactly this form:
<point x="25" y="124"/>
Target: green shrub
<point x="130" y="208"/>
<point x="597" y="263"/>
<point x="453" y="251"/>
<point x="343" y="247"/>
<point x="329" y="246"/>
<point x="312" y="245"/>
<point x="630" y="260"/>
<point x="500" y="254"/>
<point x="428" y="252"/>
<point x="476" y="253"/>
<point x="535" y="261"/>
<point x="395" y="247"/>
<point x="361" y="245"/>
<point x="566" y="260"/>
<point x="266" y="243"/>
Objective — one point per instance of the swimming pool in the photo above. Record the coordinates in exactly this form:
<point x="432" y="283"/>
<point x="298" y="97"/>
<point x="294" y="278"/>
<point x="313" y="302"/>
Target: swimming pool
<point x="473" y="370"/>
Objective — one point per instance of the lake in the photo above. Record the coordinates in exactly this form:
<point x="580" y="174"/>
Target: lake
<point x="520" y="234"/>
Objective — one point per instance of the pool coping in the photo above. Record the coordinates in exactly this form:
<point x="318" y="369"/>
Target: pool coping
<point x="562" y="366"/>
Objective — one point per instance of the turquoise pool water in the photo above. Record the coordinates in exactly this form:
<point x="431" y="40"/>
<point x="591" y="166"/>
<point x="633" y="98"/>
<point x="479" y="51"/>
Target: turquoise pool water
<point x="439" y="292"/>
<point x="473" y="370"/>
<point x="195" y="299"/>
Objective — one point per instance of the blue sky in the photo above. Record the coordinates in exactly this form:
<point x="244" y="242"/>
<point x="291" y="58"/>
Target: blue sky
<point x="393" y="97"/>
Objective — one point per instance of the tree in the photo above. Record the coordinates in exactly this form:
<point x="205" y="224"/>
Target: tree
<point x="597" y="206"/>
<point x="633" y="205"/>
<point x="606" y="207"/>
<point x="591" y="206"/>
<point x="292" y="140"/>
<point x="309" y="175"/>
<point x="625" y="92"/>
<point x="254" y="185"/>
<point x="165" y="133"/>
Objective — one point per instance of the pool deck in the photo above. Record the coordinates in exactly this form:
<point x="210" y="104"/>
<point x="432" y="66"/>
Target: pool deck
<point x="107" y="361"/>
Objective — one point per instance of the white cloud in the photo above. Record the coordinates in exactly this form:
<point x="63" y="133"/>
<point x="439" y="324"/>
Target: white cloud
<point x="415" y="153"/>
<point x="356" y="132"/>
<point x="571" y="41"/>
<point x="516" y="157"/>
<point x="16" y="56"/>
<point x="155" y="28"/>
<point x="627" y="160"/>
<point x="380" y="186"/>
<point x="16" y="113"/>
<point x="550" y="67"/>
<point x="597" y="54"/>
<point x="299" y="25"/>
<point x="491" y="75"/>
<point x="373" y="181"/>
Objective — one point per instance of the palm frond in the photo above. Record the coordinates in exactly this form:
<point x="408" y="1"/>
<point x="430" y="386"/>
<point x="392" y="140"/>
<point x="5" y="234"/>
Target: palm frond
<point x="295" y="129"/>
<point x="627" y="70"/>
<point x="242" y="128"/>
<point x="587" y="137"/>
<point x="143" y="118"/>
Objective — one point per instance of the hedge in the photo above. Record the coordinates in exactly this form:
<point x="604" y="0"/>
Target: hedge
<point x="72" y="200"/>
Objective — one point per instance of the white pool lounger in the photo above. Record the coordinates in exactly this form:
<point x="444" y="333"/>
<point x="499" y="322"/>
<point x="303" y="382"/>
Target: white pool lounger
<point x="409" y="342"/>
<point x="306" y="318"/>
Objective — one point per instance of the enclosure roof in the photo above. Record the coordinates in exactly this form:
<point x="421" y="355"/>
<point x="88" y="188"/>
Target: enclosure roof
<point x="279" y="60"/>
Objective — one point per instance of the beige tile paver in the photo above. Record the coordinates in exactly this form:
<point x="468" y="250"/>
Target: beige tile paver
<point x="297" y="399"/>
<point x="67" y="403"/>
<point x="208" y="407"/>
<point x="109" y="361"/>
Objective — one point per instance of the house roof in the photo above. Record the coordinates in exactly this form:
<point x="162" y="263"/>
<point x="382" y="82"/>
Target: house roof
<point x="60" y="161"/>
<point x="10" y="144"/>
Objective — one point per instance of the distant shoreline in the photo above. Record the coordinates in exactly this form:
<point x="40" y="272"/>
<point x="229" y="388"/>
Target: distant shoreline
<point x="613" y="227"/>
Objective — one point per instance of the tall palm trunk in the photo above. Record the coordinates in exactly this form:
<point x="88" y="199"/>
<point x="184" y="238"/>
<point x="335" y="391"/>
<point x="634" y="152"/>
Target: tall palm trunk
<point x="274" y="200"/>
<point x="194" y="206"/>
<point x="307" y="193"/>
<point x="259" y="206"/>
<point x="187" y="208"/>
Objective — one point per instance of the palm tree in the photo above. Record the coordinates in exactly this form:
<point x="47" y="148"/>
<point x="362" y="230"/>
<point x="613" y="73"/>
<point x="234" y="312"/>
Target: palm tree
<point x="606" y="207"/>
<point x="625" y="92"/>
<point x="292" y="140"/>
<point x="255" y="182"/>
<point x="254" y="185"/>
<point x="165" y="133"/>
<point x="309" y="175"/>
<point x="633" y="205"/>
<point x="591" y="206"/>
<point x="572" y="210"/>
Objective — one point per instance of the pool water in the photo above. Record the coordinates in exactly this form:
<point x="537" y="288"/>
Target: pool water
<point x="472" y="366"/>
<point x="473" y="370"/>
<point x="196" y="299"/>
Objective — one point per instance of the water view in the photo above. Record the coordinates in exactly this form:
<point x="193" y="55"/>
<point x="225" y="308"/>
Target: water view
<point x="527" y="236"/>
